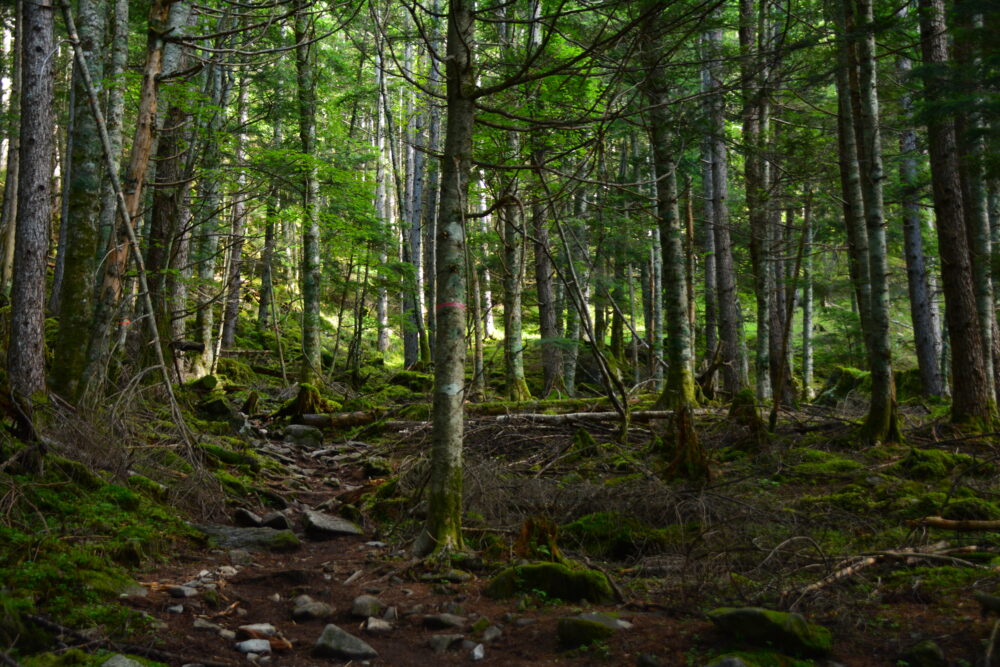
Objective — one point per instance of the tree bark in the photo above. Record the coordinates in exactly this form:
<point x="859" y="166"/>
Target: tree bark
<point x="8" y="216"/>
<point x="234" y="279"/>
<point x="971" y="396"/>
<point x="25" y="351"/>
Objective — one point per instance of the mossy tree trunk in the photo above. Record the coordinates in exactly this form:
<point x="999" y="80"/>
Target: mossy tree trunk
<point x="443" y="529"/>
<point x="513" y="242"/>
<point x="231" y="310"/>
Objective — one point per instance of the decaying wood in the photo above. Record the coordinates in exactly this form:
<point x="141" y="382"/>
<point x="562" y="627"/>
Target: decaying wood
<point x="340" y="419"/>
<point x="956" y="524"/>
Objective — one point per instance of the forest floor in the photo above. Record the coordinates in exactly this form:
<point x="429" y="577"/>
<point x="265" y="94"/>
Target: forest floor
<point x="806" y="520"/>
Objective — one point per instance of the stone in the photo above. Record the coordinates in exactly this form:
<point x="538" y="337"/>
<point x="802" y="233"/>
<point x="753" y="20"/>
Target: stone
<point x="451" y="576"/>
<point x="254" y="646"/>
<point x="441" y="643"/>
<point x="202" y="624"/>
<point x="238" y="556"/>
<point x="320" y="526"/>
<point x="610" y="621"/>
<point x="555" y="580"/>
<point x="228" y="635"/>
<point x="925" y="654"/>
<point x="391" y="614"/>
<point x="365" y="606"/>
<point x="227" y="571"/>
<point x="377" y="626"/>
<point x="119" y="660"/>
<point x="336" y="643"/>
<point x="444" y="621"/>
<point x="312" y="611"/>
<point x="182" y="591"/>
<point x="300" y="434"/>
<point x="176" y="609"/>
<point x="377" y="466"/>
<point x="491" y="634"/>
<point x="727" y="661"/>
<point x="478" y="653"/>
<point x="764" y="627"/>
<point x="250" y="539"/>
<point x="276" y="520"/>
<point x="256" y="631"/>
<point x="574" y="632"/>
<point x="246" y="518"/>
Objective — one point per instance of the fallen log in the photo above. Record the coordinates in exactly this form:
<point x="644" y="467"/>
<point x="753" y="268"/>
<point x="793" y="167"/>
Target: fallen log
<point x="570" y="417"/>
<point x="956" y="524"/>
<point x="340" y="419"/>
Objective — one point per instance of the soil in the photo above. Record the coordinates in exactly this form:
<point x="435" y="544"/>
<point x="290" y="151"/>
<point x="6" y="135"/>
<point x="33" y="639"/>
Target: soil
<point x="671" y="627"/>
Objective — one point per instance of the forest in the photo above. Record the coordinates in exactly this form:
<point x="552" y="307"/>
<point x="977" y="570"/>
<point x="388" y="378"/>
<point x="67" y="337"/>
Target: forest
<point x="625" y="332"/>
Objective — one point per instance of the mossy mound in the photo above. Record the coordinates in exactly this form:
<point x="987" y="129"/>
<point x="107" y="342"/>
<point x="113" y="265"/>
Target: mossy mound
<point x="975" y="509"/>
<point x="576" y="632"/>
<point x="555" y="580"/>
<point x="842" y="382"/>
<point x="763" y="626"/>
<point x="818" y="463"/>
<point x="229" y="457"/>
<point x="930" y="464"/>
<point x="204" y="384"/>
<point x="308" y="401"/>
<point x="412" y="380"/>
<point x="758" y="659"/>
<point x="613" y="535"/>
<point x="236" y="370"/>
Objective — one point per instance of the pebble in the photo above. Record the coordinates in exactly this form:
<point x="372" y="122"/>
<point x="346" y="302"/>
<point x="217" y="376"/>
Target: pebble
<point x="227" y="571"/>
<point x="228" y="635"/>
<point x="256" y="630"/>
<point x="443" y="621"/>
<point x="176" y="609"/>
<point x="478" y="653"/>
<point x="254" y="646"/>
<point x="441" y="643"/>
<point x="391" y="614"/>
<point x="491" y="634"/>
<point x="366" y="605"/>
<point x="377" y="626"/>
<point x="181" y="591"/>
<point x="202" y="624"/>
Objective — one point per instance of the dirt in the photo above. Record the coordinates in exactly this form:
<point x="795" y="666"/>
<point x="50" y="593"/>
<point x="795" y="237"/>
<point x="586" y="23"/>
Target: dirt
<point x="335" y="571"/>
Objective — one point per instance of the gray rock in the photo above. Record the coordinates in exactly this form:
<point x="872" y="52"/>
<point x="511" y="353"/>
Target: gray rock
<point x="202" y="624"/>
<point x="244" y="517"/>
<point x="377" y="626"/>
<point x="478" y="653"/>
<point x="320" y="526"/>
<point x="119" y="660"/>
<point x="925" y="654"/>
<point x="249" y="539"/>
<point x="491" y="634"/>
<point x="256" y="630"/>
<point x="254" y="646"/>
<point x="182" y="591"/>
<point x="336" y="643"/>
<point x="574" y="631"/>
<point x="441" y="643"/>
<point x="610" y="621"/>
<point x="176" y="609"/>
<point x="276" y="520"/>
<point x="727" y="661"/>
<point x="228" y="635"/>
<point x="300" y="434"/>
<point x="391" y="614"/>
<point x="524" y="622"/>
<point x="365" y="606"/>
<point x="444" y="621"/>
<point x="238" y="556"/>
<point x="312" y="611"/>
<point x="227" y="571"/>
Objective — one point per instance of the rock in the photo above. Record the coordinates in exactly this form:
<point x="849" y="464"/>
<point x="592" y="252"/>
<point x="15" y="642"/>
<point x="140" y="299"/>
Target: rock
<point x="377" y="466"/>
<point x="254" y="646"/>
<point x="250" y="539"/>
<point x="610" y="621"/>
<point x="320" y="526"/>
<point x="762" y="626"/>
<point x="202" y="624"/>
<point x="227" y="571"/>
<point x="727" y="661"/>
<point x="182" y="591"/>
<point x="176" y="609"/>
<point x="574" y="632"/>
<point x="478" y="653"/>
<point x="925" y="654"/>
<point x="119" y="660"/>
<point x="444" y="621"/>
<point x="244" y="517"/>
<point x="391" y="614"/>
<point x="365" y="606"/>
<point x="276" y="520"/>
<point x="441" y="643"/>
<point x="648" y="660"/>
<point x="256" y="631"/>
<point x="555" y="580"/>
<point x="228" y="635"/>
<point x="451" y="576"/>
<point x="312" y="611"/>
<point x="306" y="436"/>
<point x="336" y="643"/>
<point x="491" y="634"/>
<point x="238" y="556"/>
<point x="377" y="626"/>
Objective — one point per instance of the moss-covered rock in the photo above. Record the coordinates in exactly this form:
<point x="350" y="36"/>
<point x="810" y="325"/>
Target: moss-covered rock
<point x="613" y="535"/>
<point x="555" y="580"/>
<point x="975" y="509"/>
<point x="930" y="464"/>
<point x="204" y="384"/>
<point x="925" y="654"/>
<point x="575" y="632"/>
<point x="72" y="471"/>
<point x="761" y="626"/>
<point x="236" y="370"/>
<point x="415" y="382"/>
<point x="841" y="383"/>
<point x="230" y="457"/>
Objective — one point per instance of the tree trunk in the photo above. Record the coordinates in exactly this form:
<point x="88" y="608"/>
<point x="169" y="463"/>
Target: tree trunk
<point x="513" y="240"/>
<point x="306" y="96"/>
<point x="8" y="216"/>
<point x="25" y="352"/>
<point x="971" y="396"/>
<point x="443" y="530"/>
<point x="233" y="280"/>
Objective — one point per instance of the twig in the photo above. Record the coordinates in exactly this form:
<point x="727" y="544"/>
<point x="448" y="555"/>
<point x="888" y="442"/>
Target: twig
<point x="10" y="662"/>
<point x="955" y="524"/>
<point x="992" y="644"/>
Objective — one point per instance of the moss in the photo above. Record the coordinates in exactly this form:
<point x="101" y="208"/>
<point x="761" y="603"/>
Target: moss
<point x="236" y="370"/>
<point x="229" y="457"/>
<point x="415" y="382"/>
<point x="393" y="394"/>
<point x="843" y="382"/>
<point x="930" y="464"/>
<point x="308" y="401"/>
<point x="576" y="632"/>
<point x="147" y="487"/>
<point x="612" y="535"/>
<point x="233" y="484"/>
<point x="972" y="509"/>
<point x="120" y="496"/>
<point x="764" y="626"/>
<point x="283" y="541"/>
<point x="851" y="498"/>
<point x="72" y="471"/>
<point x="169" y="459"/>
<point x="204" y="384"/>
<point x="555" y="580"/>
<point x="764" y="659"/>
<point x="416" y="412"/>
<point x="818" y="463"/>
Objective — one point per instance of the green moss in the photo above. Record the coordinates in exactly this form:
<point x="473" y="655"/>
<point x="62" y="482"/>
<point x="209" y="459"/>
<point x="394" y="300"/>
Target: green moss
<point x="283" y="541"/>
<point x="842" y="382"/>
<point x="233" y="484"/>
<point x="229" y="457"/>
<point x="147" y="487"/>
<point x="851" y="498"/>
<point x="972" y="509"/>
<point x="206" y="383"/>
<point x="236" y="370"/>
<point x="60" y="468"/>
<point x="818" y="463"/>
<point x="612" y="535"/>
<point x="555" y="580"/>
<point x="416" y="412"/>
<point x="757" y="625"/>
<point x="393" y="394"/>
<point x="764" y="659"/>
<point x="415" y="382"/>
<point x="169" y="459"/>
<point x="930" y="464"/>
